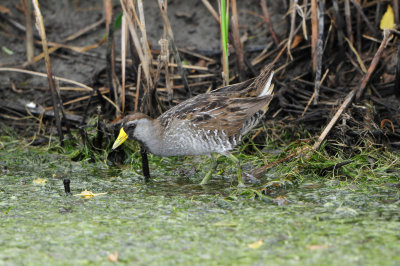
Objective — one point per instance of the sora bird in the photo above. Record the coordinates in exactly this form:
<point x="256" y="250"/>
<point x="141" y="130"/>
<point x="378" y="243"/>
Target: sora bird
<point x="208" y="123"/>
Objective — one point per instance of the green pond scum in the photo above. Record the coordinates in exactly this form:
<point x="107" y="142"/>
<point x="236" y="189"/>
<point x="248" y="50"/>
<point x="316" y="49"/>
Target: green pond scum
<point x="301" y="212"/>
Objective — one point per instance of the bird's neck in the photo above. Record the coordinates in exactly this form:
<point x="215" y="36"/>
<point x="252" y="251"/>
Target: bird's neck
<point x="148" y="132"/>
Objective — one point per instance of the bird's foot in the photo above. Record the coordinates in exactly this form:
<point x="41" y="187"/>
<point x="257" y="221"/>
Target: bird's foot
<point x="206" y="178"/>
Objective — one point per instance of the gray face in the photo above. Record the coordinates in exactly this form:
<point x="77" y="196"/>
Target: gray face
<point x="129" y="127"/>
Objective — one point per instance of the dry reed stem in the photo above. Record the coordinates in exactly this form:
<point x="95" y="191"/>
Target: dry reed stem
<point x="174" y="48"/>
<point x="304" y="18"/>
<point x="236" y="41"/>
<point x="30" y="49"/>
<point x="160" y="62"/>
<point x="55" y="46"/>
<point x="206" y="58"/>
<point x="11" y="69"/>
<point x="112" y="80"/>
<point x="314" y="32"/>
<point x="138" y="82"/>
<point x="108" y="12"/>
<point x="292" y="26"/>
<point x="347" y="14"/>
<point x="313" y="95"/>
<point x="359" y="59"/>
<point x="52" y="85"/>
<point x="124" y="41"/>
<point x="130" y="13"/>
<point x="164" y="56"/>
<point x="319" y="50"/>
<point x="193" y="67"/>
<point x="146" y="49"/>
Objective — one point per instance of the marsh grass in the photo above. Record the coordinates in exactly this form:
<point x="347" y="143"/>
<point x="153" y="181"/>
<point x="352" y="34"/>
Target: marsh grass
<point x="367" y="163"/>
<point x="346" y="216"/>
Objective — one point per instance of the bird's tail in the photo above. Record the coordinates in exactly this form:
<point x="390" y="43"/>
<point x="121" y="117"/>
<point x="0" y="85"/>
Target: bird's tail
<point x="268" y="87"/>
<point x="264" y="85"/>
<point x="263" y="82"/>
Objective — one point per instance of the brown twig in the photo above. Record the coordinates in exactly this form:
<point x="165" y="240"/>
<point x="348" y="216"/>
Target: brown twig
<point x="206" y="58"/>
<point x="267" y="18"/>
<point x="192" y="67"/>
<point x="260" y="170"/>
<point x="211" y="9"/>
<point x="55" y="46"/>
<point x="334" y="119"/>
<point x="387" y="35"/>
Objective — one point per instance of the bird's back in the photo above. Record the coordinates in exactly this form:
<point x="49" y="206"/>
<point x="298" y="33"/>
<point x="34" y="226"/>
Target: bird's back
<point x="215" y="122"/>
<point x="210" y="123"/>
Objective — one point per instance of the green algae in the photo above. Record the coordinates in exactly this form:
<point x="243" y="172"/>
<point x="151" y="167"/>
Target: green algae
<point x="173" y="220"/>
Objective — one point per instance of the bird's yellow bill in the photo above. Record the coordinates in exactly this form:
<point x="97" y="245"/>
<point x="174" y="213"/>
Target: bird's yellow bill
<point x="122" y="136"/>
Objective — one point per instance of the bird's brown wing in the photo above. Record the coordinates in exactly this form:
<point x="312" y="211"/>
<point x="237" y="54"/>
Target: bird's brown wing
<point x="216" y="112"/>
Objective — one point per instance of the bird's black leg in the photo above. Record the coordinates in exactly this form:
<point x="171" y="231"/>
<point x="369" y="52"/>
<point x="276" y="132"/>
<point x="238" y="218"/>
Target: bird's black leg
<point x="145" y="164"/>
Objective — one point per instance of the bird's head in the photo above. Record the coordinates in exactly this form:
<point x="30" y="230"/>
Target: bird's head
<point x="129" y="125"/>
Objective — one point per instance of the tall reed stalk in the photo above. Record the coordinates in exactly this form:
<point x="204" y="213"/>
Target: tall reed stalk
<point x="224" y="15"/>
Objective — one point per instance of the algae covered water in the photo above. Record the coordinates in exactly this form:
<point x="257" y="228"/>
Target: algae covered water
<point x="170" y="221"/>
